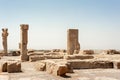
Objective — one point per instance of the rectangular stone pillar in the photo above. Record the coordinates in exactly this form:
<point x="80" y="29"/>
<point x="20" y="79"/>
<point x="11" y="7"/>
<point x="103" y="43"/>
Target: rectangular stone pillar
<point x="73" y="45"/>
<point x="24" y="42"/>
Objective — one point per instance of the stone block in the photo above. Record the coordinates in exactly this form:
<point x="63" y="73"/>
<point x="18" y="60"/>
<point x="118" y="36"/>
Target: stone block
<point x="117" y="65"/>
<point x="40" y="66"/>
<point x="88" y="52"/>
<point x="70" y="68"/>
<point x="90" y="64"/>
<point x="3" y="66"/>
<point x="56" y="68"/>
<point x="13" y="66"/>
<point x="36" y="57"/>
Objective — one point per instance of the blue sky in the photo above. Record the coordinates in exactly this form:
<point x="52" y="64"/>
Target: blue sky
<point x="98" y="22"/>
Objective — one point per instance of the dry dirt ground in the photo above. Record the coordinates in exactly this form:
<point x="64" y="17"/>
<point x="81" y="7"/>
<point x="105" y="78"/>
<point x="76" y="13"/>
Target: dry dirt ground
<point x="29" y="73"/>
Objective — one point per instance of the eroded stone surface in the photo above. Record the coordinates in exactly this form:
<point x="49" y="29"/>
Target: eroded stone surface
<point x="24" y="42"/>
<point x="4" y="40"/>
<point x="13" y="67"/>
<point x="117" y="65"/>
<point x="3" y="66"/>
<point x="90" y="64"/>
<point x="88" y="52"/>
<point x="70" y="57"/>
<point x="72" y="41"/>
<point x="40" y="66"/>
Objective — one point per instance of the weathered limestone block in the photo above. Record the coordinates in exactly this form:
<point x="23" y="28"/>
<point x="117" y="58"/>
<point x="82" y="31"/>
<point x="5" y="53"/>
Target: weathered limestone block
<point x="56" y="69"/>
<point x="70" y="68"/>
<point x="13" y="67"/>
<point x="72" y="41"/>
<point x="24" y="42"/>
<point x="40" y="66"/>
<point x="70" y="57"/>
<point x="60" y="70"/>
<point x="36" y="57"/>
<point x="117" y="65"/>
<point x="88" y="64"/>
<point x="102" y="64"/>
<point x="3" y="66"/>
<point x="4" y="40"/>
<point x="89" y="52"/>
<point x="53" y="56"/>
<point x="35" y="53"/>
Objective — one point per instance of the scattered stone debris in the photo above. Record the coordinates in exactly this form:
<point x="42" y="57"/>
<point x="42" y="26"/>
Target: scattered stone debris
<point x="14" y="53"/>
<point x="88" y="52"/>
<point x="111" y="52"/>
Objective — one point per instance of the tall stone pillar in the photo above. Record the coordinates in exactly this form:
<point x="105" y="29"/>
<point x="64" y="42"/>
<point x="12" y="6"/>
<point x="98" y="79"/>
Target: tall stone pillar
<point x="73" y="45"/>
<point x="4" y="40"/>
<point x="24" y="42"/>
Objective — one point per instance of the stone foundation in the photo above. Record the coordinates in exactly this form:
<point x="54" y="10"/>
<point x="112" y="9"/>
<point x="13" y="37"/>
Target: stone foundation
<point x="70" y="57"/>
<point x="43" y="57"/>
<point x="90" y="64"/>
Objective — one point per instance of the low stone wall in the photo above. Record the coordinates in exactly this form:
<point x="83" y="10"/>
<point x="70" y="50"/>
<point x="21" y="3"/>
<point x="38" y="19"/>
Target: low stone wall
<point x="89" y="64"/>
<point x="70" y="57"/>
<point x="43" y="57"/>
<point x="36" y="57"/>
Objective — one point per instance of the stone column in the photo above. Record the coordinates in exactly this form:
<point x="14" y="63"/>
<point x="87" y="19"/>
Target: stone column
<point x="24" y="42"/>
<point x="73" y="45"/>
<point x="4" y="40"/>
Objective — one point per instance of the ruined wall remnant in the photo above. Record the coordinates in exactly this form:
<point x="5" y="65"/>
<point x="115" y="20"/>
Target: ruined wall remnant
<point x="72" y="41"/>
<point x="4" y="40"/>
<point x="24" y="41"/>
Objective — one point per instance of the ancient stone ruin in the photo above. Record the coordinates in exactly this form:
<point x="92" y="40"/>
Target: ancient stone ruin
<point x="73" y="45"/>
<point x="24" y="41"/>
<point x="4" y="40"/>
<point x="57" y="62"/>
